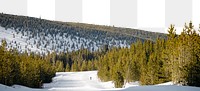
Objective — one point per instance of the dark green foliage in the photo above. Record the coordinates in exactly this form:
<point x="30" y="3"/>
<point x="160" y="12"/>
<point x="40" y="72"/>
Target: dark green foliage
<point x="139" y="62"/>
<point x="118" y="80"/>
<point x="176" y="59"/>
<point x="24" y="69"/>
<point x="183" y="59"/>
<point x="80" y="60"/>
<point x="194" y="75"/>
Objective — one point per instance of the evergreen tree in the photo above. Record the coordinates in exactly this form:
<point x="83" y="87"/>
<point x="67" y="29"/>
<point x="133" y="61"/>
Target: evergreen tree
<point x="67" y="68"/>
<point x="84" y="66"/>
<point x="118" y="80"/>
<point x="59" y="66"/>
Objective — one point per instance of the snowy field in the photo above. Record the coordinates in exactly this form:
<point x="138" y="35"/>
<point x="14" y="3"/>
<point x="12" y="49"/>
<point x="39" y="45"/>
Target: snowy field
<point x="88" y="81"/>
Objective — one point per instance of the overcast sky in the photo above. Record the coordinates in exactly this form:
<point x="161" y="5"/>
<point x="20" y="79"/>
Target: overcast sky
<point x="152" y="15"/>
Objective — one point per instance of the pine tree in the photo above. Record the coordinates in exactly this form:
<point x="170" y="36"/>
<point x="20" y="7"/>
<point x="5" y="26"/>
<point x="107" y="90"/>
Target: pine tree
<point x="170" y="54"/>
<point x="84" y="66"/>
<point x="118" y="80"/>
<point x="74" y="67"/>
<point x="59" y="66"/>
<point x="67" y="69"/>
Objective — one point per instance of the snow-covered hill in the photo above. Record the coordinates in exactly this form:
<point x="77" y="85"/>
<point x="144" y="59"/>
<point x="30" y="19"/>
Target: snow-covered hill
<point x="88" y="81"/>
<point x="45" y="42"/>
<point x="43" y="36"/>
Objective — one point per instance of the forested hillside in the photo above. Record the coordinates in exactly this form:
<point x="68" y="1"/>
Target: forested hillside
<point x="43" y="36"/>
<point x="176" y="59"/>
<point x="33" y="49"/>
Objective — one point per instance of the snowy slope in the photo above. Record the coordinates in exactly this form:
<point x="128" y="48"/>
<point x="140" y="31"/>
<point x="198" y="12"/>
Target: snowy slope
<point x="81" y="81"/>
<point x="41" y="36"/>
<point x="43" y="42"/>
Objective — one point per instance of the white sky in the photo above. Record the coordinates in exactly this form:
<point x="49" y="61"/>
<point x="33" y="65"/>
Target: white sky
<point x="150" y="13"/>
<point x="17" y="7"/>
<point x="196" y="12"/>
<point x="41" y="8"/>
<point x="96" y="11"/>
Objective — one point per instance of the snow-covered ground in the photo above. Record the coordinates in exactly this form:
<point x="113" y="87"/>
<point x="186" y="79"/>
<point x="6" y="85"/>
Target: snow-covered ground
<point x="88" y="81"/>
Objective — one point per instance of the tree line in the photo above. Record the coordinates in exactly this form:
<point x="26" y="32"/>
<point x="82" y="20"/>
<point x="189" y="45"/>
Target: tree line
<point x="175" y="59"/>
<point x="24" y="69"/>
<point x="32" y="70"/>
<point x="80" y="60"/>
